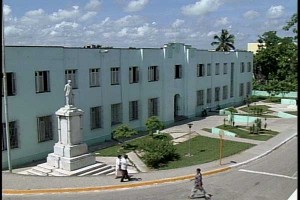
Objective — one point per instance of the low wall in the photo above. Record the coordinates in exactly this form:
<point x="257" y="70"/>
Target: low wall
<point x="242" y="119"/>
<point x="285" y="115"/>
<point x="217" y="132"/>
<point x="266" y="94"/>
<point x="288" y="101"/>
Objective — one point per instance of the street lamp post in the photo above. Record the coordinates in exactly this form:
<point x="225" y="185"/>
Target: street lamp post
<point x="190" y="126"/>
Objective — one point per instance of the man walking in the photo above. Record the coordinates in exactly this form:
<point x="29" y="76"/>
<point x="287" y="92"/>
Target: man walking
<point x="118" y="166"/>
<point x="124" y="165"/>
<point x="198" y="185"/>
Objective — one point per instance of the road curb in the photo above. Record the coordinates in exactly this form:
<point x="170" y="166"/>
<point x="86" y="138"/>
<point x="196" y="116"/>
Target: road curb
<point x="109" y="187"/>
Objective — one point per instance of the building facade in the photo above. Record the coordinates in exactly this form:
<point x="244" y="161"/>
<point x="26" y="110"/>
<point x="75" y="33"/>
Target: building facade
<point x="114" y="86"/>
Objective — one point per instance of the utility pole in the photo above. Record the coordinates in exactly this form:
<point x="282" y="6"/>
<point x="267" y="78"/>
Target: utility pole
<point x="5" y="94"/>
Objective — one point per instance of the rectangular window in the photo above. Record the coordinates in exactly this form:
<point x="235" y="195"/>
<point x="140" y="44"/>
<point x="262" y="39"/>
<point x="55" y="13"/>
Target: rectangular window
<point x="44" y="125"/>
<point x="248" y="88"/>
<point x="10" y="83"/>
<point x="225" y="92"/>
<point x="208" y="93"/>
<point x="241" y="89"/>
<point x="200" y="70"/>
<point x="178" y="71"/>
<point x="249" y="67"/>
<point x="208" y="69"/>
<point x="42" y="81"/>
<point x="71" y="74"/>
<point x="153" y="73"/>
<point x="231" y="79"/>
<point x="96" y="119"/>
<point x="13" y="135"/>
<point x="133" y="75"/>
<point x="242" y="67"/>
<point x="115" y="75"/>
<point x="200" y="97"/>
<point x="217" y="68"/>
<point x="225" y="68"/>
<point x="153" y="107"/>
<point x="133" y="110"/>
<point x="116" y="114"/>
<point x="95" y="77"/>
<point x="217" y="93"/>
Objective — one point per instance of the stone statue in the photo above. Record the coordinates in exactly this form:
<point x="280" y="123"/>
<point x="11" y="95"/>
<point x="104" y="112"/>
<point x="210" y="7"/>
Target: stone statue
<point x="68" y="93"/>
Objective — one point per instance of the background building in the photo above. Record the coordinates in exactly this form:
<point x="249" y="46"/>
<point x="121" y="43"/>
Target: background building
<point x="114" y="86"/>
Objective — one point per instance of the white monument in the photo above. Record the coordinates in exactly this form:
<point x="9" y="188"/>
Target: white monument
<point x="70" y="152"/>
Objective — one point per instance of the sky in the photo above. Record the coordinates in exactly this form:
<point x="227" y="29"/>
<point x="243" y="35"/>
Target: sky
<point x="142" y="23"/>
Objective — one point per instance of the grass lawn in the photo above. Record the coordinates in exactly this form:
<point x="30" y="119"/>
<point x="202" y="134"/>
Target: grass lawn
<point x="242" y="133"/>
<point x="262" y="116"/>
<point x="203" y="149"/>
<point x="250" y="109"/>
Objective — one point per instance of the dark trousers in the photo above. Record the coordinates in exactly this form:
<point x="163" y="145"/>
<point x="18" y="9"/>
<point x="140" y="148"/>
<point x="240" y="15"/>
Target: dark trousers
<point x="124" y="175"/>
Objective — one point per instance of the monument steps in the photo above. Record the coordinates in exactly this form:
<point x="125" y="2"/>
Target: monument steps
<point x="108" y="171"/>
<point x="96" y="171"/>
<point x="36" y="172"/>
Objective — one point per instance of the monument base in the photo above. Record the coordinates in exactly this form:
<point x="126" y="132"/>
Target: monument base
<point x="70" y="150"/>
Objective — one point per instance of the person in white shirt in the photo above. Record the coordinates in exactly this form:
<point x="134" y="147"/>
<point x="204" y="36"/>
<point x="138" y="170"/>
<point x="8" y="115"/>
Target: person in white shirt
<point x="118" y="166"/>
<point x="124" y="165"/>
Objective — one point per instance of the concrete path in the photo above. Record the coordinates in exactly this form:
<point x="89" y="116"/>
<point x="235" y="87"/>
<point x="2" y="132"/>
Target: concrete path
<point x="21" y="184"/>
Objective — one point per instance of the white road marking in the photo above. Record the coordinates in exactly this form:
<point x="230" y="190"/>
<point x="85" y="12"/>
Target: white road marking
<point x="266" y="173"/>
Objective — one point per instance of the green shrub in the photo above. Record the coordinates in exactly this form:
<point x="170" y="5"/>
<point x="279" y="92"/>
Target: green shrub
<point x="158" y="152"/>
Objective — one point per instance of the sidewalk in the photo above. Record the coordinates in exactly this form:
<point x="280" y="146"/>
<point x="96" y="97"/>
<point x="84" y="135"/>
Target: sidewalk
<point x="286" y="127"/>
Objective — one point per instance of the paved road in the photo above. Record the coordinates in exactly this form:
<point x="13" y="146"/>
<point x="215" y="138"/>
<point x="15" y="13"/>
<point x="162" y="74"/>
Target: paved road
<point x="272" y="177"/>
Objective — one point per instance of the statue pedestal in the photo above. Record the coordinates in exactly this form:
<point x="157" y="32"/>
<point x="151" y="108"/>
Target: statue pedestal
<point x="70" y="153"/>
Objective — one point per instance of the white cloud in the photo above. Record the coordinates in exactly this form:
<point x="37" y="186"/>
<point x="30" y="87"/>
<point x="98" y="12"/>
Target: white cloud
<point x="12" y="31"/>
<point x="129" y="20"/>
<point x="251" y="14"/>
<point x="88" y="15"/>
<point x="65" y="24"/>
<point x="6" y="10"/>
<point x="211" y="33"/>
<point x="275" y="12"/>
<point x="222" y="21"/>
<point x="93" y="5"/>
<point x="201" y="7"/>
<point x="65" y="14"/>
<point x="136" y="5"/>
<point x="33" y="13"/>
<point x="177" y="23"/>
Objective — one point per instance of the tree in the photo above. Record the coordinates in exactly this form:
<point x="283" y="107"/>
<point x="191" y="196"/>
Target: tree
<point x="123" y="131"/>
<point x="153" y="124"/>
<point x="292" y="24"/>
<point x="225" y="41"/>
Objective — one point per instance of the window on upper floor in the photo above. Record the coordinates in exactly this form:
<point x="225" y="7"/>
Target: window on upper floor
<point x="10" y="84"/>
<point x="178" y="71"/>
<point x="72" y="74"/>
<point x="200" y="70"/>
<point x="42" y="81"/>
<point x="242" y="67"/>
<point x="96" y="119"/>
<point x="153" y="73"/>
<point x="208" y="69"/>
<point x="95" y="77"/>
<point x="115" y="76"/>
<point x="249" y="67"/>
<point x="44" y="128"/>
<point x="225" y="68"/>
<point x="133" y="110"/>
<point x="217" y="71"/>
<point x="13" y="135"/>
<point x="133" y="75"/>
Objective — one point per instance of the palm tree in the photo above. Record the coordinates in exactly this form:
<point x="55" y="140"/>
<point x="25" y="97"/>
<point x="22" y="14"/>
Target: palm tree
<point x="225" y="41"/>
